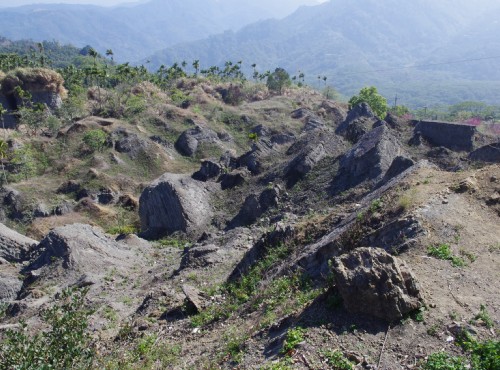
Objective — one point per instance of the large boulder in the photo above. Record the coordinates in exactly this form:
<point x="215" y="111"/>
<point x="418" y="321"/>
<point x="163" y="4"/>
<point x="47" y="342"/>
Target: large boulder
<point x="79" y="254"/>
<point x="454" y="136"/>
<point x="369" y="159"/>
<point x="175" y="203"/>
<point x="187" y="144"/>
<point x="488" y="153"/>
<point x="358" y="122"/>
<point x="373" y="282"/>
<point x="14" y="247"/>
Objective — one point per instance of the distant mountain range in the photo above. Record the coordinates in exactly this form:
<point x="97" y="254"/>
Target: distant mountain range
<point x="346" y="39"/>
<point x="136" y="30"/>
<point x="425" y="51"/>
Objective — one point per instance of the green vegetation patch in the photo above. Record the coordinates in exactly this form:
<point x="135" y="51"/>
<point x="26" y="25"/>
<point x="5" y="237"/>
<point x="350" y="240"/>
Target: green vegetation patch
<point x="443" y="252"/>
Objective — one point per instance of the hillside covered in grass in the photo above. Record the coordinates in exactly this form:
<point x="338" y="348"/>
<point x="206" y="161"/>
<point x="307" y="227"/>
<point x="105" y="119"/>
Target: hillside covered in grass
<point x="194" y="218"/>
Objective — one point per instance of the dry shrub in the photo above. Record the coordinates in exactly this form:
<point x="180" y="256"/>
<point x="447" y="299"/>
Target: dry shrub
<point x="149" y="90"/>
<point x="34" y="79"/>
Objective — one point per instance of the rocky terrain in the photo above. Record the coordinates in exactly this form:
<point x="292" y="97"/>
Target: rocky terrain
<point x="280" y="232"/>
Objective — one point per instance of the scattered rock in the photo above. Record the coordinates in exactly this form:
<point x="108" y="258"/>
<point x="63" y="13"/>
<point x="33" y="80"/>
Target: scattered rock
<point x="209" y="170"/>
<point x="187" y="143"/>
<point x="233" y="179"/>
<point x="195" y="297"/>
<point x="373" y="282"/>
<point x="130" y="143"/>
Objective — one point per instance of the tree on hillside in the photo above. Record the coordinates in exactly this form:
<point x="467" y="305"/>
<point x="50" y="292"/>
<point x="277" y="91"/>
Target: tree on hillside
<point x="278" y="80"/>
<point x="371" y="96"/>
<point x="110" y="54"/>
<point x="196" y="66"/>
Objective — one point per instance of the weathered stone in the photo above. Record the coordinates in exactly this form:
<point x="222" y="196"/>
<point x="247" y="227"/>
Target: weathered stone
<point x="359" y="121"/>
<point x="301" y="113"/>
<point x="304" y="163"/>
<point x="454" y="136"/>
<point x="313" y="123"/>
<point x="254" y="207"/>
<point x="14" y="247"/>
<point x="398" y="165"/>
<point x="128" y="201"/>
<point x="195" y="297"/>
<point x="252" y="160"/>
<point x="334" y="111"/>
<point x="373" y="282"/>
<point x="233" y="179"/>
<point x="209" y="170"/>
<point x="42" y="210"/>
<point x="130" y="143"/>
<point x="201" y="256"/>
<point x="79" y="250"/>
<point x="175" y="203"/>
<point x="10" y="285"/>
<point x="488" y="153"/>
<point x="369" y="159"/>
<point x="187" y="143"/>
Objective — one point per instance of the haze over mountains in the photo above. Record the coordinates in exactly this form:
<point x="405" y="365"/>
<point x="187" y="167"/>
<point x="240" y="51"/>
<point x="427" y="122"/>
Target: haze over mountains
<point x="136" y="30"/>
<point x="344" y="40"/>
<point x="418" y="48"/>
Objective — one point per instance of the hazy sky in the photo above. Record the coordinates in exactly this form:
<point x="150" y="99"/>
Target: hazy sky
<point x="11" y="3"/>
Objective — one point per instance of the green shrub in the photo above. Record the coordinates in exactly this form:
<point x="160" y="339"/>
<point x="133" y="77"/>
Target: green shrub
<point x="66" y="345"/>
<point x="444" y="361"/>
<point x="443" y="252"/>
<point x="337" y="361"/>
<point x="371" y="96"/>
<point x="293" y="338"/>
<point x="95" y="140"/>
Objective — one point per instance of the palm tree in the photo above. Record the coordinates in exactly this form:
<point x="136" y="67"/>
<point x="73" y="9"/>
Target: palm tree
<point x="196" y="66"/>
<point x="109" y="53"/>
<point x="94" y="55"/>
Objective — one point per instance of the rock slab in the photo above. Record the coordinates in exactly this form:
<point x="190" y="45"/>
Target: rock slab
<point x="373" y="282"/>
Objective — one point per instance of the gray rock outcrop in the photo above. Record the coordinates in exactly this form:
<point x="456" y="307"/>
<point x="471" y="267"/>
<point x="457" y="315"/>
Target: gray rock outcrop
<point x="358" y="122"/>
<point x="208" y="170"/>
<point x="254" y="206"/>
<point x="454" y="136"/>
<point x="79" y="254"/>
<point x="488" y="153"/>
<point x="373" y="282"/>
<point x="187" y="144"/>
<point x="14" y="247"/>
<point x="175" y="203"/>
<point x="304" y="163"/>
<point x="130" y="143"/>
<point x="369" y="159"/>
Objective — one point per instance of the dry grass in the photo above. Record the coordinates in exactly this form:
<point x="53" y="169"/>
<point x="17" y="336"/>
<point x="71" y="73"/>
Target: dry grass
<point x="33" y="79"/>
